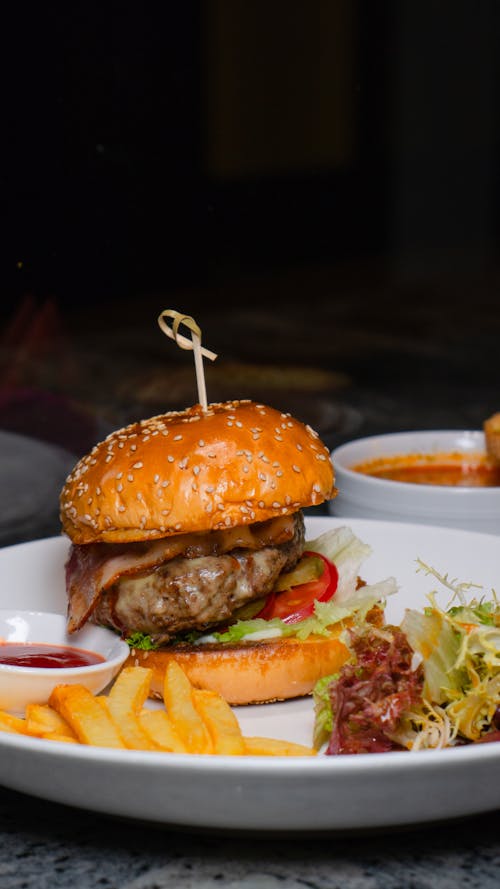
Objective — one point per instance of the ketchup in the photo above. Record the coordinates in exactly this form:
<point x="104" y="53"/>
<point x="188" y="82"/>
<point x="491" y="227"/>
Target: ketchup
<point x="34" y="654"/>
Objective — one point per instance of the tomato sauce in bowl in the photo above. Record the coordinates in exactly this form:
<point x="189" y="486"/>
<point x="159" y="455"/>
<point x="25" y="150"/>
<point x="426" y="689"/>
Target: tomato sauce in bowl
<point x="445" y="469"/>
<point x="33" y="654"/>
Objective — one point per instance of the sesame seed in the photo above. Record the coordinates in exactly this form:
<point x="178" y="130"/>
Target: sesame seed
<point x="130" y="477"/>
<point x="201" y="443"/>
<point x="177" y="438"/>
<point x="276" y="505"/>
<point x="262" y="477"/>
<point x="121" y="509"/>
<point x="133" y="447"/>
<point x="296" y="468"/>
<point x="165" y="484"/>
<point x="183" y="463"/>
<point x="119" y="487"/>
<point x="196" y="470"/>
<point x="138" y="465"/>
<point x="320" y="457"/>
<point x="170" y="458"/>
<point x="279" y="473"/>
<point x="177" y="527"/>
<point x="156" y="478"/>
<point x="108" y="458"/>
<point x="119" y="475"/>
<point x="261" y="504"/>
<point x="278" y="438"/>
<point x="299" y="447"/>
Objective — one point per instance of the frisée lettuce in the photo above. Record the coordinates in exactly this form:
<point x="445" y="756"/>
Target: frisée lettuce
<point x="432" y="682"/>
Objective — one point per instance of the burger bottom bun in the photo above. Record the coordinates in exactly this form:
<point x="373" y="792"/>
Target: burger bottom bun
<point x="251" y="672"/>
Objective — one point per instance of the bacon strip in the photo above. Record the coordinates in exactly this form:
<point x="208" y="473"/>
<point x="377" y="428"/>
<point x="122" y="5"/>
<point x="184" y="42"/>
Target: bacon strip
<point x="94" y="567"/>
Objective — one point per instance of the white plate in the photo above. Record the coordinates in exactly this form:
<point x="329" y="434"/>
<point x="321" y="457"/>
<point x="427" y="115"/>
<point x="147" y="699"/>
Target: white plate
<point x="266" y="794"/>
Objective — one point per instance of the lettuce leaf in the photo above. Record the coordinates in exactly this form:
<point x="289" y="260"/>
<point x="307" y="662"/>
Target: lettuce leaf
<point x="342" y="547"/>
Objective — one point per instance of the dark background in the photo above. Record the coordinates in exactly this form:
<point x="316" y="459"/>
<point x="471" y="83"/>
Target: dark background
<point x="164" y="145"/>
<point x="316" y="182"/>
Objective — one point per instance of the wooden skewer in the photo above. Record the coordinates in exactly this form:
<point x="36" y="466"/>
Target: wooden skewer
<point x="193" y="343"/>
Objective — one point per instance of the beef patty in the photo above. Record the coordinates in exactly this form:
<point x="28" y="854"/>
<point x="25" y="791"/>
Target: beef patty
<point x="196" y="593"/>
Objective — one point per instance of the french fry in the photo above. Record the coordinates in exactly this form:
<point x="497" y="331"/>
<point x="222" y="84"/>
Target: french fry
<point x="272" y="747"/>
<point x="125" y="702"/>
<point x="220" y="721"/>
<point x="41" y="720"/>
<point x="87" y="718"/>
<point x="55" y="736"/>
<point x="177" y="695"/>
<point x="159" y="728"/>
<point x="13" y="724"/>
<point x="193" y="720"/>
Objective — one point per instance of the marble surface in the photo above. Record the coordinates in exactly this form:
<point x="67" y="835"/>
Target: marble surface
<point x="46" y="846"/>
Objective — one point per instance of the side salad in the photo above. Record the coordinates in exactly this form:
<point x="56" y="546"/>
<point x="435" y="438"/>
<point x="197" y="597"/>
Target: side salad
<point x="432" y="682"/>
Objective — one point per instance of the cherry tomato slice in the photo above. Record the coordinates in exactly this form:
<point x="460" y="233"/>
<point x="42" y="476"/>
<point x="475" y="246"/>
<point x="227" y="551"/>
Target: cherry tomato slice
<point x="298" y="602"/>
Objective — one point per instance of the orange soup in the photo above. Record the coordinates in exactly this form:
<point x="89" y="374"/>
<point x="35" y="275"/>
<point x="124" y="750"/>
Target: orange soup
<point x="454" y="469"/>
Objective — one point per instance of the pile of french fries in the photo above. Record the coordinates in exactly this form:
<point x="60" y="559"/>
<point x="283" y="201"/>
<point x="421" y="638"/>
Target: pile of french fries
<point x="192" y="720"/>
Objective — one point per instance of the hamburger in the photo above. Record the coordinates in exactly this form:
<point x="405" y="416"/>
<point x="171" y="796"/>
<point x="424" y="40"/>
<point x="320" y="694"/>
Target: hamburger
<point x="186" y="525"/>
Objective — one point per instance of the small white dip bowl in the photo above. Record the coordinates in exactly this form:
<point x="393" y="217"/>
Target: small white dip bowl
<point x="363" y="496"/>
<point x="20" y="686"/>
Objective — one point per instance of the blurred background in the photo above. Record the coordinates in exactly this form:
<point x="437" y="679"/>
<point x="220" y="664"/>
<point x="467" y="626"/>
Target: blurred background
<point x="316" y="182"/>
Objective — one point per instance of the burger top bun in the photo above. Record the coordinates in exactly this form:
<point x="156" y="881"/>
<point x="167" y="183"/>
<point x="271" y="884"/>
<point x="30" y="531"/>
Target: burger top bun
<point x="180" y="472"/>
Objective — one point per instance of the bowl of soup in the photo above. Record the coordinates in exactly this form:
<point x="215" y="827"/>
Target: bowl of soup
<point x="442" y="477"/>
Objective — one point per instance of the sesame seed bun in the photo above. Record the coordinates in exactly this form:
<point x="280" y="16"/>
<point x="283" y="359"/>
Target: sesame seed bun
<point x="238" y="463"/>
<point x="252" y="672"/>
